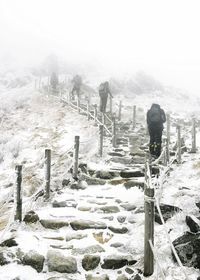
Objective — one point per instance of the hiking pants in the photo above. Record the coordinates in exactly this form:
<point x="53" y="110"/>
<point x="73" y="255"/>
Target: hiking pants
<point x="103" y="103"/>
<point x="155" y="140"/>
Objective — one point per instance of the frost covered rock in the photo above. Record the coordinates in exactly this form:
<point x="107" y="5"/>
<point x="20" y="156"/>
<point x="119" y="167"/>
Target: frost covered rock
<point x="11" y="242"/>
<point x="60" y="263"/>
<point x="106" y="175"/>
<point x="167" y="211"/>
<point x="193" y="224"/>
<point x="118" y="230"/>
<point x="101" y="277"/>
<point x="34" y="259"/>
<point x="109" y="209"/>
<point x="90" y="262"/>
<point x="6" y="256"/>
<point x="121" y="219"/>
<point x="31" y="217"/>
<point x="85" y="224"/>
<point x="80" y="185"/>
<point x="115" y="262"/>
<point x="54" y="223"/>
<point x="131" y="173"/>
<point x="91" y="180"/>
<point x="64" y="203"/>
<point x="88" y="250"/>
<point x="128" y="206"/>
<point x="76" y="236"/>
<point x="134" y="183"/>
<point x="122" y="277"/>
<point x="188" y="249"/>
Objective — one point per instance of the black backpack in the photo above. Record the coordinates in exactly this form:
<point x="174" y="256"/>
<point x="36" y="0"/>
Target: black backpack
<point x="155" y="115"/>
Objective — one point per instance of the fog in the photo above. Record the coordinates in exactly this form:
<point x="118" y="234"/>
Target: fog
<point x="119" y="37"/>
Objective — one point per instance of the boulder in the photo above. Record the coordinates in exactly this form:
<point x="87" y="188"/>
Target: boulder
<point x="167" y="211"/>
<point x="11" y="242"/>
<point x="193" y="224"/>
<point x="90" y="262"/>
<point x="54" y="223"/>
<point x="34" y="259"/>
<point x="85" y="224"/>
<point x="188" y="249"/>
<point x="60" y="263"/>
<point x="31" y="217"/>
<point x="115" y="262"/>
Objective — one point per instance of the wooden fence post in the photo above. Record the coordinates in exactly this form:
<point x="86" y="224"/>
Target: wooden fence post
<point x="149" y="231"/>
<point x="88" y="110"/>
<point x="134" y="117"/>
<point x="193" y="150"/>
<point x="47" y="167"/>
<point x="95" y="113"/>
<point x="114" y="133"/>
<point x="179" y="143"/>
<point x="111" y="109"/>
<point x="120" y="110"/>
<point x="18" y="194"/>
<point x="168" y="127"/>
<point x="76" y="154"/>
<point x="101" y="140"/>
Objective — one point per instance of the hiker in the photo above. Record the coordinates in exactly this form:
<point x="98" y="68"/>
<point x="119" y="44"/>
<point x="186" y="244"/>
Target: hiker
<point x="54" y="81"/>
<point x="104" y="90"/>
<point x="155" y="119"/>
<point x="77" y="83"/>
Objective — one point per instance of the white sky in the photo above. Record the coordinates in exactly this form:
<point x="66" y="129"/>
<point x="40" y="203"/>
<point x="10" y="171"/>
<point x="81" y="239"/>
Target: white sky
<point x="161" y="37"/>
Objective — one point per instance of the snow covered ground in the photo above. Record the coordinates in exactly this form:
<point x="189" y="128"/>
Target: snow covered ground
<point x="32" y="122"/>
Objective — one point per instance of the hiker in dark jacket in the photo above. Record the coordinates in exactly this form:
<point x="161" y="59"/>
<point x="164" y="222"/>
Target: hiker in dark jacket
<point x="77" y="83"/>
<point x="104" y="91"/>
<point x="155" y="119"/>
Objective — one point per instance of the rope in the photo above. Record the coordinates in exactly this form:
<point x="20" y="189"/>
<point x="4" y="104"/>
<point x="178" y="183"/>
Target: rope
<point x="156" y="258"/>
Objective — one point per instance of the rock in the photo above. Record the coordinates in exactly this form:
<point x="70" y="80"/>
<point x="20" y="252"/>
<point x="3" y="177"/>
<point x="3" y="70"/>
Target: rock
<point x="131" y="173"/>
<point x="31" y="217"/>
<point x="128" y="206"/>
<point x="76" y="236"/>
<point x="137" y="277"/>
<point x="110" y="209"/>
<point x="54" y="223"/>
<point x="6" y="256"/>
<point x="85" y="224"/>
<point x="167" y="211"/>
<point x="118" y="230"/>
<point x="11" y="242"/>
<point x="193" y="224"/>
<point x="60" y="263"/>
<point x="80" y="185"/>
<point x="188" y="249"/>
<point x="101" y="277"/>
<point x="116" y="182"/>
<point x="90" y="262"/>
<point x="64" y="203"/>
<point x="65" y="182"/>
<point x="34" y="259"/>
<point x="84" y="208"/>
<point x="115" y="154"/>
<point x="134" y="183"/>
<point x="83" y="167"/>
<point x="88" y="250"/>
<point x="92" y="180"/>
<point x="115" y="262"/>
<point x="122" y="277"/>
<point x="117" y="245"/>
<point x="103" y="175"/>
<point x="121" y="219"/>
<point x="129" y="270"/>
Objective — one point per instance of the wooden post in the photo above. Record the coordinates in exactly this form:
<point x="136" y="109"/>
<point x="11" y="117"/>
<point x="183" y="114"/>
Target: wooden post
<point x="120" y="110"/>
<point x="134" y="117"/>
<point x="149" y="231"/>
<point x="168" y="127"/>
<point x="193" y="150"/>
<point x="111" y="105"/>
<point x="114" y="133"/>
<point x="18" y="194"/>
<point x="95" y="113"/>
<point x="88" y="110"/>
<point x="101" y="140"/>
<point x="179" y="143"/>
<point x="76" y="153"/>
<point x="47" y="167"/>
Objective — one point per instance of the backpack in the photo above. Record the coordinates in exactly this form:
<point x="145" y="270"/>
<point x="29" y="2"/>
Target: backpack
<point x="155" y="116"/>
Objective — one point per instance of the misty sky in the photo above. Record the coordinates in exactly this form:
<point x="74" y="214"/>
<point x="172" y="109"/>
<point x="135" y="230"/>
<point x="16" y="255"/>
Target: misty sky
<point x="123" y="36"/>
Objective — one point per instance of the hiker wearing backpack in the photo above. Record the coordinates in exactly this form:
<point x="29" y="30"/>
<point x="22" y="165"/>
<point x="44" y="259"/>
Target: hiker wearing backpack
<point x="155" y="119"/>
<point x="104" y="90"/>
<point x="77" y="83"/>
